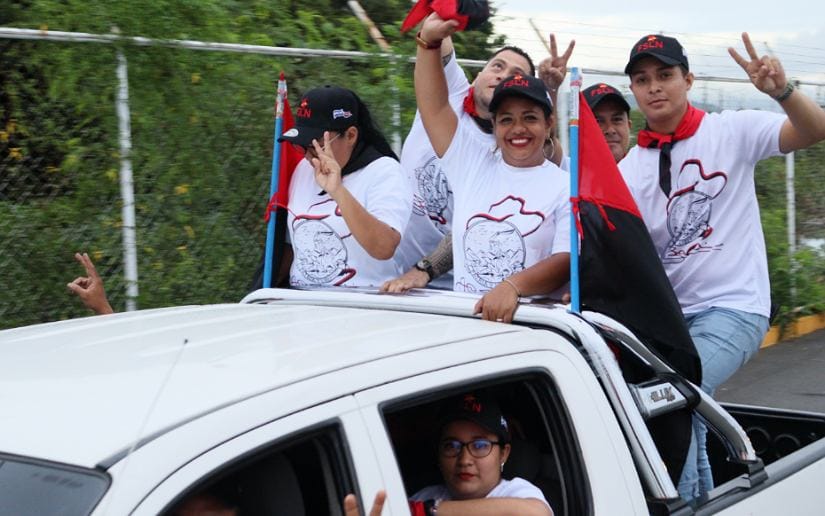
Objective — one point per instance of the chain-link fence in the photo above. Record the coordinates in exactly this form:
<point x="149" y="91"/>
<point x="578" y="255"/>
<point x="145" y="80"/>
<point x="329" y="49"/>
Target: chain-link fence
<point x="201" y="147"/>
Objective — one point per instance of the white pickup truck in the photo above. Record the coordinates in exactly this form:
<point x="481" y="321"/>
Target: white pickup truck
<point x="292" y="399"/>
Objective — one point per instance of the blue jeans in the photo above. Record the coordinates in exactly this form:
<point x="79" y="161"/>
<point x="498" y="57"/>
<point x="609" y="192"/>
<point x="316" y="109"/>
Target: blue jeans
<point x="725" y="339"/>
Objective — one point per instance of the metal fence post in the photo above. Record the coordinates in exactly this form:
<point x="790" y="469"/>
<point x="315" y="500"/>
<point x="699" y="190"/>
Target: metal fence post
<point x="791" y="201"/>
<point x="127" y="192"/>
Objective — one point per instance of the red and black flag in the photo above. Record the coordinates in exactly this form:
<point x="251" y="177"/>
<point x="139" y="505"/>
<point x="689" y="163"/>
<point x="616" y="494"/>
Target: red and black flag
<point x="622" y="277"/>
<point x="289" y="159"/>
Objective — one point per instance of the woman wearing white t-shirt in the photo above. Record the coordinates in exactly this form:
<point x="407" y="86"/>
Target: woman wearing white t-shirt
<point x="473" y="446"/>
<point x="511" y="205"/>
<point x="349" y="201"/>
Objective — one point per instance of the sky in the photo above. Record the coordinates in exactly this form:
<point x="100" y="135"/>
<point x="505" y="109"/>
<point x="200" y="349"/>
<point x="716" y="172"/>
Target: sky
<point x="793" y="30"/>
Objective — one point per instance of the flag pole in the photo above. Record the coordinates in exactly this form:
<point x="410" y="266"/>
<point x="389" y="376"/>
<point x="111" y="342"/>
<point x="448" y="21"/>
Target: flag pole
<point x="273" y="183"/>
<point x="575" y="87"/>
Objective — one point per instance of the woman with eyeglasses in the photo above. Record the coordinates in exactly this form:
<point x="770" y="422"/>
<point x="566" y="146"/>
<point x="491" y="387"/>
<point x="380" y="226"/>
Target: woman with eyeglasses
<point x="473" y="447"/>
<point x="349" y="201"/>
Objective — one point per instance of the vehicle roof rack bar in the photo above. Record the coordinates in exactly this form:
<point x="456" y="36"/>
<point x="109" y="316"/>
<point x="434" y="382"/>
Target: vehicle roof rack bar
<point x="733" y="437"/>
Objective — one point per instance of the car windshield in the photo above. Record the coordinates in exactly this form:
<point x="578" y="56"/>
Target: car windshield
<point x="30" y="487"/>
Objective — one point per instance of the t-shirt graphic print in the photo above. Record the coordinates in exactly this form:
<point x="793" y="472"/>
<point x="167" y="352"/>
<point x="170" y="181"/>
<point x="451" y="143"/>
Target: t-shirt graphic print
<point x="433" y="194"/>
<point x="690" y="212"/>
<point x="319" y="244"/>
<point x="494" y="246"/>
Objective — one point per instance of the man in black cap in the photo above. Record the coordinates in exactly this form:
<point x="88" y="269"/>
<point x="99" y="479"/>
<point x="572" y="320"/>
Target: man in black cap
<point x="612" y="112"/>
<point x="692" y="176"/>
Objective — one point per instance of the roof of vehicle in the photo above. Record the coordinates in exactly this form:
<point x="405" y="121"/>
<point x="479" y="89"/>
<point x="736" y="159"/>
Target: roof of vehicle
<point x="62" y="382"/>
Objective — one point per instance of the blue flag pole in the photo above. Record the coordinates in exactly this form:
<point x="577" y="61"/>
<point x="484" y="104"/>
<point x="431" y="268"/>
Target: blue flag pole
<point x="575" y="87"/>
<point x="273" y="183"/>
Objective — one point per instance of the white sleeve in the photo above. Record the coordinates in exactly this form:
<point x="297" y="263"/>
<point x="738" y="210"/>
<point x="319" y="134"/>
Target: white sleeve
<point x="756" y="132"/>
<point x="517" y="488"/>
<point x="389" y="198"/>
<point x="626" y="170"/>
<point x="457" y="83"/>
<point x="561" y="240"/>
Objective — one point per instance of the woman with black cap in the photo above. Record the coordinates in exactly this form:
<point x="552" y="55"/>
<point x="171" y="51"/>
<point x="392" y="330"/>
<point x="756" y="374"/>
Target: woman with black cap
<point x="349" y="201"/>
<point x="511" y="204"/>
<point x="473" y="446"/>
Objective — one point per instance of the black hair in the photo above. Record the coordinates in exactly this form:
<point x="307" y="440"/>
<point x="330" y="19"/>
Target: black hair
<point x="368" y="130"/>
<point x="518" y="51"/>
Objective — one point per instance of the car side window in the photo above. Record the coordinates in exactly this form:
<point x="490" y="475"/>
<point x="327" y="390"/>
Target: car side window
<point x="303" y="474"/>
<point x="544" y="450"/>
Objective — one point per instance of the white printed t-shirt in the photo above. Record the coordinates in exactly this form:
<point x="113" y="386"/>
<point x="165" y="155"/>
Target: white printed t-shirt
<point x="516" y="488"/>
<point x="325" y="252"/>
<point x="506" y="218"/>
<point x="432" y="212"/>
<point x="708" y="233"/>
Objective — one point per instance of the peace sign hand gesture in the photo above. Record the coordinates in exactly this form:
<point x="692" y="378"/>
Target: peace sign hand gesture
<point x="553" y="69"/>
<point x="327" y="169"/>
<point x="89" y="288"/>
<point x="766" y="72"/>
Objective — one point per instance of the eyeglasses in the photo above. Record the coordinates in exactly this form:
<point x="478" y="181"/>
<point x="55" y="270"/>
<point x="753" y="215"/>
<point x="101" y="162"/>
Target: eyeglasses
<point x="478" y="448"/>
<point x="302" y="149"/>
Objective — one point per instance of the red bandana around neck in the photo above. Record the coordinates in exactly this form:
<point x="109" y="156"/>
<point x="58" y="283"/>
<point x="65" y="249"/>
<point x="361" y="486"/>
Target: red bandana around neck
<point x="650" y="139"/>
<point x="470" y="109"/>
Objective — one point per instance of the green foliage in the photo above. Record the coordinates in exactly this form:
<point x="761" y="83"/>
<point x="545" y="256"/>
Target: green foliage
<point x="202" y="129"/>
<point x="798" y="285"/>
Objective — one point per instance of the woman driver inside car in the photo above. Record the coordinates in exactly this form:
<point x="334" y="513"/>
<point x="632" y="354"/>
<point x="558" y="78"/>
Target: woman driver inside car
<point x="473" y="447"/>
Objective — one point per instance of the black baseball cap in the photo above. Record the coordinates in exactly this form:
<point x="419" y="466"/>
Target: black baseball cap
<point x="598" y="92"/>
<point x="328" y="108"/>
<point x="525" y="86"/>
<point x="478" y="409"/>
<point x="664" y="48"/>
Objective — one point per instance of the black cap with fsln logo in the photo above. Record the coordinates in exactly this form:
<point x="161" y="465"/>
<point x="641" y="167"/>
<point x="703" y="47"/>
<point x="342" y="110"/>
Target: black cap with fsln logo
<point x="328" y="108"/>
<point x="601" y="91"/>
<point x="525" y="86"/>
<point x="664" y="48"/>
<point x="477" y="409"/>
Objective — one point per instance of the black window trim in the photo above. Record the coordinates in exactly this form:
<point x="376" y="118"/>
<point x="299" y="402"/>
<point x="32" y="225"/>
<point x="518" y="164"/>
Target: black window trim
<point x="528" y="376"/>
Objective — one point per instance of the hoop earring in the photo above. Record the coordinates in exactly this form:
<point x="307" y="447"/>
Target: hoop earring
<point x="553" y="146"/>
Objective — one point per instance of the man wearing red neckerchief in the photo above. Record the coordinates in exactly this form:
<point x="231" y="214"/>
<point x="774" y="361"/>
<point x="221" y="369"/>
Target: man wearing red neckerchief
<point x="692" y="176"/>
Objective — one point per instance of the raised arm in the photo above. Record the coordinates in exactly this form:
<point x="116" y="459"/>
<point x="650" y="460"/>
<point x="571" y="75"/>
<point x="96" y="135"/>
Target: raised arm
<point x="377" y="238"/>
<point x="89" y="288"/>
<point x="439" y="119"/>
<point x="806" y="120"/>
<point x="552" y="71"/>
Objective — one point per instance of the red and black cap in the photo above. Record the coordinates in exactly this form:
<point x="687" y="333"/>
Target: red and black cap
<point x="469" y="13"/>
<point x="525" y="86"/>
<point x="664" y="48"/>
<point x="601" y="91"/>
<point x="475" y="408"/>
<point x="328" y="108"/>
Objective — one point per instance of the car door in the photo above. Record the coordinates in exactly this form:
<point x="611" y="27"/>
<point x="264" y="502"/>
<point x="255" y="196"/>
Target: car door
<point x="592" y="475"/>
<point x="303" y="463"/>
